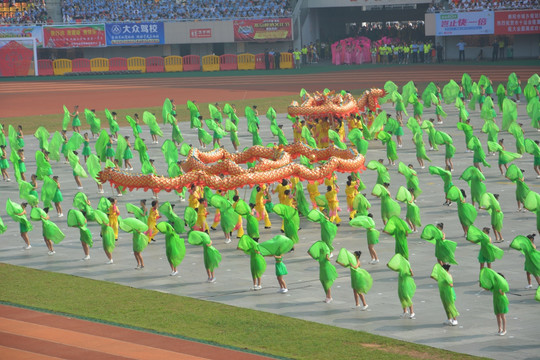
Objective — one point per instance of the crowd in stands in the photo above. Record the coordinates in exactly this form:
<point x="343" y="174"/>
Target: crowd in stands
<point x="407" y="31"/>
<point x="30" y="12"/>
<point x="479" y="5"/>
<point x="386" y="50"/>
<point x="147" y="10"/>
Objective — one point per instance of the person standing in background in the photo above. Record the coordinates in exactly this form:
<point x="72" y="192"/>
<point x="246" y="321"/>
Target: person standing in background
<point x="297" y="59"/>
<point x="461" y="47"/>
<point x="414" y="50"/>
<point x="495" y="53"/>
<point x="277" y="60"/>
<point x="304" y="55"/>
<point x="502" y="45"/>
<point x="439" y="53"/>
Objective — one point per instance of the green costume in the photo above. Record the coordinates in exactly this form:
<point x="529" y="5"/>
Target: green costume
<point x="474" y="178"/>
<point x="361" y="205"/>
<point x="413" y="211"/>
<point x="391" y="148"/>
<point x="382" y="172"/>
<point x="389" y="207"/>
<point x="406" y="285"/>
<point x="466" y="212"/>
<point x="327" y="271"/>
<point x="367" y="223"/>
<point x="479" y="156"/>
<point x="411" y="178"/>
<point x="420" y="147"/>
<point x="328" y="228"/>
<point x="138" y="229"/>
<point x="488" y="252"/>
<point x="399" y="229"/>
<point x="498" y="285"/>
<point x="444" y="249"/>
<point x="445" y="175"/>
<point x="515" y="175"/>
<point x="532" y="256"/>
<point x="175" y="249"/>
<point x="211" y="255"/>
<point x="361" y="280"/>
<point x="13" y="210"/>
<point x="489" y="203"/>
<point x="257" y="263"/>
<point x="446" y="290"/>
<point x="75" y="218"/>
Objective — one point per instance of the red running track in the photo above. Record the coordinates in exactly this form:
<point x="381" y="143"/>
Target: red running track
<point x="31" y="98"/>
<point x="32" y="335"/>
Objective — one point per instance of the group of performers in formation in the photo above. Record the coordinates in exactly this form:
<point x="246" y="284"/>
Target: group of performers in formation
<point x="233" y="212"/>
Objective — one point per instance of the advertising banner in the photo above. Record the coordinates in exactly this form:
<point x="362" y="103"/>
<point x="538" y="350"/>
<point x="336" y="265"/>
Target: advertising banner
<point x="517" y="22"/>
<point x="263" y="30"/>
<point x="70" y="36"/>
<point x="200" y="33"/>
<point x="465" y="23"/>
<point x="22" y="31"/>
<point x="144" y="33"/>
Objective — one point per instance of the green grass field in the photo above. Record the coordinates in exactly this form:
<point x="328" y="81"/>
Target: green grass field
<point x="201" y="320"/>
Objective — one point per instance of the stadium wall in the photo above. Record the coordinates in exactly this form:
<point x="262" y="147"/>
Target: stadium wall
<point x="199" y="32"/>
<point x="523" y="45"/>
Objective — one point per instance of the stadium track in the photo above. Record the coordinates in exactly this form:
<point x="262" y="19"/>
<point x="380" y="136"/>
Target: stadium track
<point x="32" y="98"/>
<point x="27" y="334"/>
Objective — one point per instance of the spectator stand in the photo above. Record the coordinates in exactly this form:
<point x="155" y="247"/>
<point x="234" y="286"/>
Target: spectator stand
<point x="84" y="11"/>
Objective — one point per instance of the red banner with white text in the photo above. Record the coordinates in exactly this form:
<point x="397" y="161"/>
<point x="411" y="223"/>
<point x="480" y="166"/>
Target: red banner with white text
<point x="69" y="36"/>
<point x="517" y="22"/>
<point x="263" y="30"/>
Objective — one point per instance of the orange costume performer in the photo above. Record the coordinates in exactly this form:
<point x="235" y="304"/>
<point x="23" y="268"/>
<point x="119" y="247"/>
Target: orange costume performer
<point x="152" y="221"/>
<point x="333" y="205"/>
<point x="113" y="219"/>
<point x="260" y="209"/>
